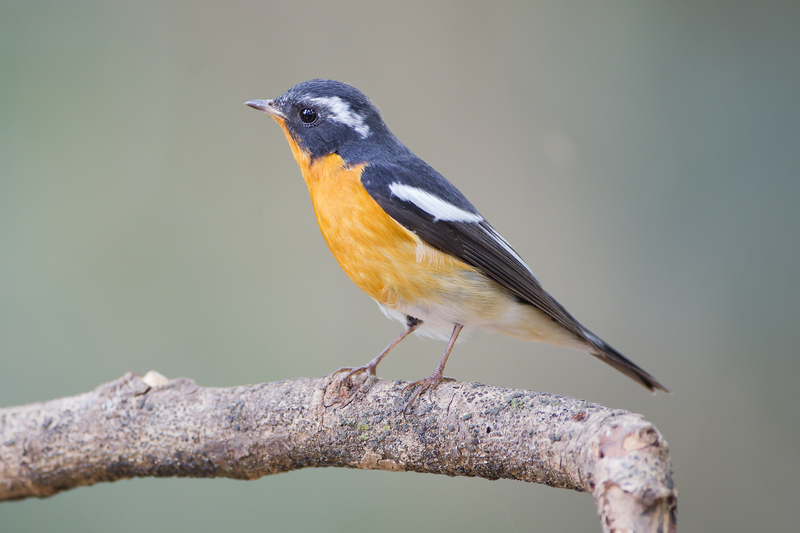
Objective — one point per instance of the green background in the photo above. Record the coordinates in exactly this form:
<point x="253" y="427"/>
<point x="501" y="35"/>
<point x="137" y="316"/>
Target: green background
<point x="641" y="156"/>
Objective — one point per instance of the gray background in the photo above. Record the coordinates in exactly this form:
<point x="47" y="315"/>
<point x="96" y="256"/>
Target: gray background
<point x="642" y="158"/>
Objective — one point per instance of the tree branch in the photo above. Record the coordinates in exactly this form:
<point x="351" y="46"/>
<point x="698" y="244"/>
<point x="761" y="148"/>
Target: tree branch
<point x="136" y="427"/>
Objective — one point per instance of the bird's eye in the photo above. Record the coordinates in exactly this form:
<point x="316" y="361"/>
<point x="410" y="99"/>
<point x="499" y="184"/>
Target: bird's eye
<point x="308" y="115"/>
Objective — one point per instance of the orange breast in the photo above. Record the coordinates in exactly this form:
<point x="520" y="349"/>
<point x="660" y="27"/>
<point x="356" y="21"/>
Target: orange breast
<point x="387" y="261"/>
<point x="384" y="259"/>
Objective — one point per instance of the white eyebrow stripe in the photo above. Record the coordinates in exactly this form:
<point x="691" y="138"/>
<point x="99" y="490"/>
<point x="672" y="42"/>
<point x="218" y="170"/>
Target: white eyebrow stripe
<point x="504" y="243"/>
<point x="433" y="205"/>
<point x="340" y="112"/>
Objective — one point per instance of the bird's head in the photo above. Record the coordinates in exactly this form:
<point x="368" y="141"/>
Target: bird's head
<point x="324" y="117"/>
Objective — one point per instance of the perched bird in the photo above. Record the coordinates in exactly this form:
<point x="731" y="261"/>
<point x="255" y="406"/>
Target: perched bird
<point x="409" y="239"/>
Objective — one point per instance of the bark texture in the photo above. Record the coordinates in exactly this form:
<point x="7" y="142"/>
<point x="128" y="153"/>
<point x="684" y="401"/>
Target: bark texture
<point x="150" y="426"/>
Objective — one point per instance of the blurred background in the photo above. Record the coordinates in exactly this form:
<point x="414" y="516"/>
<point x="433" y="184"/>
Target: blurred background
<point x="642" y="158"/>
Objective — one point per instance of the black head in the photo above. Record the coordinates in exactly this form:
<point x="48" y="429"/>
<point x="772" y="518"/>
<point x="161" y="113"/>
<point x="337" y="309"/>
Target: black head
<point x="326" y="117"/>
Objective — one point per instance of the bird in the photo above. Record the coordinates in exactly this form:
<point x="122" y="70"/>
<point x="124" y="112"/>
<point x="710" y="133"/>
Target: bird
<point x="411" y="240"/>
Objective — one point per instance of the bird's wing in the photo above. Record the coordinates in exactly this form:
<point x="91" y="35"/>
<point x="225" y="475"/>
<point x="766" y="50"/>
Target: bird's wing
<point x="425" y="203"/>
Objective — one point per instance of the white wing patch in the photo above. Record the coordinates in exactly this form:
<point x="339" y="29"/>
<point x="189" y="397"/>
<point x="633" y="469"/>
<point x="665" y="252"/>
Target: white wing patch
<point x="433" y="205"/>
<point x="442" y="210"/>
<point x="340" y="112"/>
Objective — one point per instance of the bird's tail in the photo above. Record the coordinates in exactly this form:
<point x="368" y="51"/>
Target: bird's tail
<point x="610" y="356"/>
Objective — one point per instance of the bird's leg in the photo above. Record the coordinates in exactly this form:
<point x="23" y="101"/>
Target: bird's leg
<point x="370" y="368"/>
<point x="437" y="377"/>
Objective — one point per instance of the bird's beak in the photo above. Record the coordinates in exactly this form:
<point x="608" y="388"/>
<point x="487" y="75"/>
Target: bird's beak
<point x="267" y="106"/>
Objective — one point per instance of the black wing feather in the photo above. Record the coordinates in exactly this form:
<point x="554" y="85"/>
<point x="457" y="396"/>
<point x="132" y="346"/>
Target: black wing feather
<point x="479" y="245"/>
<point x="476" y="243"/>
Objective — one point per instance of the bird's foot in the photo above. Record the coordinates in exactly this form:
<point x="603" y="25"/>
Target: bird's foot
<point x="369" y="368"/>
<point x="422" y="385"/>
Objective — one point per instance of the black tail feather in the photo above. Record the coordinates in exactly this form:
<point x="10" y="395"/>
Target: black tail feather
<point x="612" y="357"/>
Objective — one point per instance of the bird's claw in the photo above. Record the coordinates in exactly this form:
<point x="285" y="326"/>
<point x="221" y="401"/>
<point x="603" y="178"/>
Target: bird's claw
<point x="369" y="369"/>
<point x="424" y="384"/>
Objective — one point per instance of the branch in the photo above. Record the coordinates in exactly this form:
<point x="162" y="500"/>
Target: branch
<point x="136" y="427"/>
